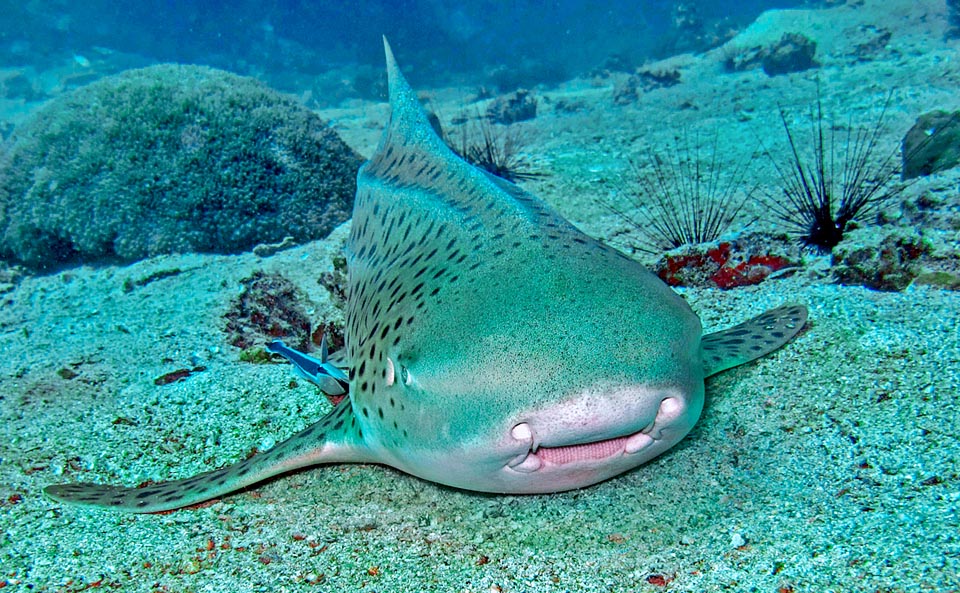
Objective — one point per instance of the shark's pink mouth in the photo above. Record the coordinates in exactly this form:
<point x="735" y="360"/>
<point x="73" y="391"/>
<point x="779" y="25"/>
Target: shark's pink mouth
<point x="585" y="452"/>
<point x="580" y="456"/>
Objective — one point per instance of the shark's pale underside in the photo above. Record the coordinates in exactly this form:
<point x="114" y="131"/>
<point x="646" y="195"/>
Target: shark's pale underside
<point x="491" y="345"/>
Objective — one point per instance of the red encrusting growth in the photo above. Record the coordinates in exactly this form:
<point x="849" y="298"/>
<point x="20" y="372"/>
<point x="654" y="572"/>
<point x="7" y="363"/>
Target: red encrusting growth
<point x="718" y="265"/>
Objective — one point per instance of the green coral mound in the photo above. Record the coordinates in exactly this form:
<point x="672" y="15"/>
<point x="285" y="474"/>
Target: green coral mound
<point x="166" y="159"/>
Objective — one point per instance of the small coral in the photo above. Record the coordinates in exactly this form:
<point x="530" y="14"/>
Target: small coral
<point x="943" y="280"/>
<point x="644" y="80"/>
<point x="793" y="53"/>
<point x="625" y="91"/>
<point x="892" y="265"/>
<point x="875" y="46"/>
<point x="509" y="109"/>
<point x="658" y="79"/>
<point x="736" y="58"/>
<point x="269" y="308"/>
<point x="16" y="84"/>
<point x="333" y="332"/>
<point x="723" y="265"/>
<point x="335" y="281"/>
<point x="256" y="355"/>
<point x="177" y="375"/>
<point x="169" y="159"/>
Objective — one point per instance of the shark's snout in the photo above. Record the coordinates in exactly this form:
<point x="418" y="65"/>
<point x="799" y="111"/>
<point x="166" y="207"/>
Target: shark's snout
<point x="536" y="455"/>
<point x="589" y="438"/>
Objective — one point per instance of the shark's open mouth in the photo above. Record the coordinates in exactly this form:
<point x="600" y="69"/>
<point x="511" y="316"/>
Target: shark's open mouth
<point x="585" y="452"/>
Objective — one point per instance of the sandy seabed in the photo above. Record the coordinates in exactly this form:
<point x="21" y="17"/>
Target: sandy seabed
<point x="830" y="465"/>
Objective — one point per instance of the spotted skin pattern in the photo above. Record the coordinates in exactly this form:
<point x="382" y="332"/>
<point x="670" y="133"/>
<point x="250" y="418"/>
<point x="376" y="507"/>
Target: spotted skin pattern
<point x="491" y="345"/>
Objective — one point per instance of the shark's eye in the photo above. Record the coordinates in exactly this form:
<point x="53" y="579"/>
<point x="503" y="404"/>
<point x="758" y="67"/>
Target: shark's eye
<point x="405" y="375"/>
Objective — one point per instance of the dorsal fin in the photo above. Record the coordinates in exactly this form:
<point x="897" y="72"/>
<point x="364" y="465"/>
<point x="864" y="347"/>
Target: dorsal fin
<point x="408" y="122"/>
<point x="411" y="155"/>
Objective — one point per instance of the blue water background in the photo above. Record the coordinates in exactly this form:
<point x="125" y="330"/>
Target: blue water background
<point x="438" y="41"/>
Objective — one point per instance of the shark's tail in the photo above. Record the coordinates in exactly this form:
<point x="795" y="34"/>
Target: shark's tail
<point x="336" y="438"/>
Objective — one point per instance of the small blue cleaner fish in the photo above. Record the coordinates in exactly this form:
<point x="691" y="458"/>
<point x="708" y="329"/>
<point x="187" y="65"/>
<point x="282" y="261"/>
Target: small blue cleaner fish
<point x="333" y="382"/>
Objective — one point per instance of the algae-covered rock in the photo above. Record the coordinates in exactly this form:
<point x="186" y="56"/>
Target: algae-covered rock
<point x="518" y="106"/>
<point x="890" y="264"/>
<point x="793" y="53"/>
<point x="932" y="144"/>
<point x="169" y="159"/>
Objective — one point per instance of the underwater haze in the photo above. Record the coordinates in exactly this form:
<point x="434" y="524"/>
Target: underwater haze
<point x="487" y="297"/>
<point x="286" y="43"/>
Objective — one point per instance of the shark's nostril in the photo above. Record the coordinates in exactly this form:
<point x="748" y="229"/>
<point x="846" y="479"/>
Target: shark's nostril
<point x="670" y="408"/>
<point x="522" y="433"/>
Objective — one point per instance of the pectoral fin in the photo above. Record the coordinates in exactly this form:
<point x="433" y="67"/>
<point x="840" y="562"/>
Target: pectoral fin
<point x="751" y="339"/>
